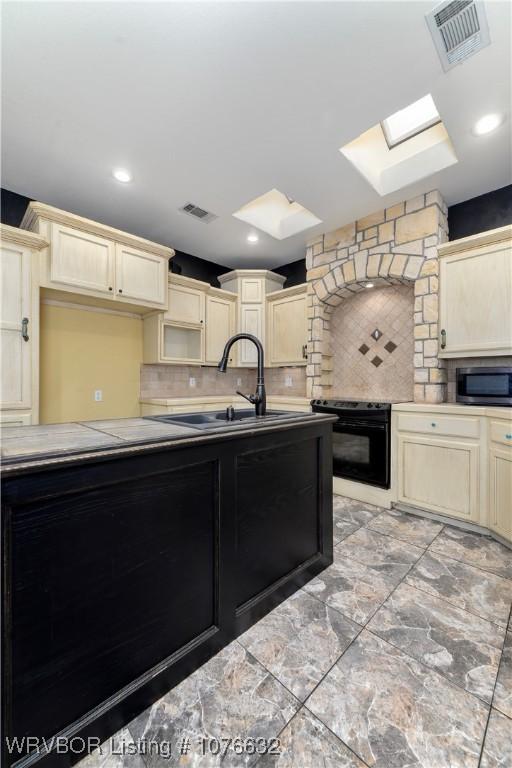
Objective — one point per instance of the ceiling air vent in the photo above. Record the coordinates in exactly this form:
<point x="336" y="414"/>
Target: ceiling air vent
<point x="198" y="213"/>
<point x="459" y="29"/>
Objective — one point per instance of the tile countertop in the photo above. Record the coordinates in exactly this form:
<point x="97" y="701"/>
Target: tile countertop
<point x="455" y="409"/>
<point x="30" y="446"/>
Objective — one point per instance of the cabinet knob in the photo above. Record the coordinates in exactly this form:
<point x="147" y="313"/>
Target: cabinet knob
<point x="433" y="424"/>
<point x="110" y="287"/>
<point x="120" y="290"/>
<point x="508" y="437"/>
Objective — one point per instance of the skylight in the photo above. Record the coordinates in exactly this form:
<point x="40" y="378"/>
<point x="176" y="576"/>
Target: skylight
<point x="277" y="215"/>
<point x="408" y="122"/>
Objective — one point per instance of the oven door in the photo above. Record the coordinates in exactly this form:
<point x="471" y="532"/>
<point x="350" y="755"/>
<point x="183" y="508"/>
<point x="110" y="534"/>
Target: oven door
<point x="361" y="451"/>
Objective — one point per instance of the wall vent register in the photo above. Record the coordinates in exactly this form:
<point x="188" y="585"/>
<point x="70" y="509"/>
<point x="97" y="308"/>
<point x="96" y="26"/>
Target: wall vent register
<point x="198" y="213"/>
<point x="459" y="29"/>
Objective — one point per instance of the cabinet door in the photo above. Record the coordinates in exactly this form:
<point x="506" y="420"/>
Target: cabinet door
<point x="287" y="333"/>
<point x="220" y="322"/>
<point x="251" y="290"/>
<point x="500" y="496"/>
<point x="251" y="321"/>
<point x="82" y="261"/>
<point x="186" y="305"/>
<point x="439" y="475"/>
<point x="475" y="302"/>
<point x="16" y="352"/>
<point x="140" y="277"/>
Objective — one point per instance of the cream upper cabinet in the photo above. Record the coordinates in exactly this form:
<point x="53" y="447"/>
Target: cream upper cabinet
<point x="220" y="324"/>
<point x="475" y="294"/>
<point x="89" y="262"/>
<point x="186" y="300"/>
<point x="140" y="276"/>
<point x="81" y="260"/>
<point x="251" y="321"/>
<point x="287" y="331"/>
<point x="252" y="287"/>
<point x="19" y="326"/>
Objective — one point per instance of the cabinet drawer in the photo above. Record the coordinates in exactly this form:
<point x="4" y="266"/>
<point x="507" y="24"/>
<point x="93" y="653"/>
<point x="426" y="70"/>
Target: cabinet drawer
<point x="501" y="432"/>
<point x="436" y="424"/>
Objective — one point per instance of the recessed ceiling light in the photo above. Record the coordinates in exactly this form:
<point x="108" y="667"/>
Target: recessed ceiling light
<point x="252" y="238"/>
<point x="369" y="285"/>
<point x="120" y="174"/>
<point x="487" y="123"/>
<point x="410" y="121"/>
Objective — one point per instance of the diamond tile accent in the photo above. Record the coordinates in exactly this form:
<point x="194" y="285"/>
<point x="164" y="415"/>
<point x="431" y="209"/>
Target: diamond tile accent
<point x="390" y="346"/>
<point x="376" y="334"/>
<point x="376" y="361"/>
<point x="364" y="349"/>
<point x="391" y="310"/>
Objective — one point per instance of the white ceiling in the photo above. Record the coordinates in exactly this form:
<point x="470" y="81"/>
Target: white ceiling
<point x="217" y="103"/>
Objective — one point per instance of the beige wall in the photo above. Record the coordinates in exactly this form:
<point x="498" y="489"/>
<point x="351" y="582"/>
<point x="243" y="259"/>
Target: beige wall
<point x="82" y="351"/>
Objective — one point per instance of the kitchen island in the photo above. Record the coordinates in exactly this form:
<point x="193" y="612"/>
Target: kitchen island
<point x="134" y="550"/>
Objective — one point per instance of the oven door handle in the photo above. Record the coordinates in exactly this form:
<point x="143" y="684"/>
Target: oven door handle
<point x="380" y="425"/>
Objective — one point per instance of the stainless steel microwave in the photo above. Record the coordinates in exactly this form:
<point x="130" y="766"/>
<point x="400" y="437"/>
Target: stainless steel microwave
<point x="485" y="386"/>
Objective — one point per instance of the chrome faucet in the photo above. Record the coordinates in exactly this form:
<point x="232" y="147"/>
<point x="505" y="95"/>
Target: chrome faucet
<point x="259" y="400"/>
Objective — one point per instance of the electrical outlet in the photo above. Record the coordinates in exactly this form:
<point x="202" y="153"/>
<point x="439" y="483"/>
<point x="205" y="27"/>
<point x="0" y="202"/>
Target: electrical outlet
<point x="191" y="381"/>
<point x="98" y="395"/>
<point x="239" y="382"/>
<point x="288" y="381"/>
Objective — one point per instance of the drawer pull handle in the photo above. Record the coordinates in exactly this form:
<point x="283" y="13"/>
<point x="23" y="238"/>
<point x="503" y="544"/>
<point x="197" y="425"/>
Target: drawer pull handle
<point x="443" y="338"/>
<point x="509" y="437"/>
<point x="434" y="424"/>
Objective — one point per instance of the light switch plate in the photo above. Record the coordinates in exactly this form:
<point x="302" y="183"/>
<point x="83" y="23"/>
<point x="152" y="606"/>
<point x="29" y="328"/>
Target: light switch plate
<point x="191" y="381"/>
<point x="239" y="382"/>
<point x="98" y="395"/>
<point x="288" y="381"/>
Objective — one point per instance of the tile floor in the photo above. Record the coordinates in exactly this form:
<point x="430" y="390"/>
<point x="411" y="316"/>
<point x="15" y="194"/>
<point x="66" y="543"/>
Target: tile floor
<point x="399" y="655"/>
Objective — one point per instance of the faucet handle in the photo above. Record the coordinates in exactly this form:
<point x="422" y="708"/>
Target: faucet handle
<point x="250" y="398"/>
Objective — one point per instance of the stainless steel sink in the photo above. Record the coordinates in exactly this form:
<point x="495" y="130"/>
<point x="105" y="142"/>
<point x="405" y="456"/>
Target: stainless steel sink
<point x="216" y="419"/>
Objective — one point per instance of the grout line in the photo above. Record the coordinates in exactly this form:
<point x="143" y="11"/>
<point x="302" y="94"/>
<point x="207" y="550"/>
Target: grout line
<point x="465" y="562"/>
<point x="492" y="699"/>
<point x="454" y="605"/>
<point x="336" y="735"/>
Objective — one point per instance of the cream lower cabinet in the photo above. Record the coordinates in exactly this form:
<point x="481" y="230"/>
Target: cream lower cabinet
<point x="455" y="460"/>
<point x="287" y="330"/>
<point x="475" y="299"/>
<point x="500" y="477"/>
<point x="19" y="326"/>
<point x="439" y="474"/>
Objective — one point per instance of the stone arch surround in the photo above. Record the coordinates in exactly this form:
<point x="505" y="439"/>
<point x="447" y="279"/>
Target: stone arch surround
<point x="395" y="245"/>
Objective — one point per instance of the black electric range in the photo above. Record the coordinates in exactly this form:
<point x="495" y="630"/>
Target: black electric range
<point x="361" y="439"/>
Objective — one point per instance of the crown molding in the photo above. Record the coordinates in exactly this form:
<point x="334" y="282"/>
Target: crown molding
<point x="490" y="237"/>
<point x="19" y="236"/>
<point x="36" y="211"/>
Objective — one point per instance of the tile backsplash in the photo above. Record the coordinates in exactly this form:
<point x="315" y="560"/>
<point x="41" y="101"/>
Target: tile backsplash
<point x="174" y="381"/>
<point x="373" y="344"/>
<point x="470" y="362"/>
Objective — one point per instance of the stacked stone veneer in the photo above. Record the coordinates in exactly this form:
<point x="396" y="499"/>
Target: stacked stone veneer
<point x="395" y="245"/>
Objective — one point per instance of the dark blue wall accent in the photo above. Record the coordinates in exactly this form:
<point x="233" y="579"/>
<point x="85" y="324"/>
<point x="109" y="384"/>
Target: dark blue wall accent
<point x="489" y="211"/>
<point x="479" y="214"/>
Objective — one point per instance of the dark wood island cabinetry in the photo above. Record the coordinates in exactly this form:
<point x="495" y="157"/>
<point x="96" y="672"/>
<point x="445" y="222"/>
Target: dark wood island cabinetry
<point x="127" y="566"/>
